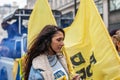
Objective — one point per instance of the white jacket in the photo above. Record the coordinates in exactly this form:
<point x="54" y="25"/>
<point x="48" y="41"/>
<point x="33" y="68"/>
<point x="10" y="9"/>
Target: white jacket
<point x="41" y="62"/>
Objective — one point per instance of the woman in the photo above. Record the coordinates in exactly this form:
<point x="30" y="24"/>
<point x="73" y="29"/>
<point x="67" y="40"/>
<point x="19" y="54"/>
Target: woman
<point x="44" y="58"/>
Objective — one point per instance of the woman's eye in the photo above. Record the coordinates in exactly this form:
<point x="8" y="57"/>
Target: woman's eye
<point x="59" y="39"/>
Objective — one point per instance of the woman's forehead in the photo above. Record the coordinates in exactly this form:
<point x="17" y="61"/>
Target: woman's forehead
<point x="58" y="33"/>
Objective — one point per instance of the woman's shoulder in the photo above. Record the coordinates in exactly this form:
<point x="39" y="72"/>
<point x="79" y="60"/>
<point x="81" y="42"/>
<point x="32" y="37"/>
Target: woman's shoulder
<point x="35" y="74"/>
<point x="39" y="62"/>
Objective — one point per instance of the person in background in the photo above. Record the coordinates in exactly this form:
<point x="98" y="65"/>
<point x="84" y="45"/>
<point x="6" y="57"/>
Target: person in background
<point x="112" y="33"/>
<point x="118" y="32"/>
<point x="44" y="59"/>
<point x="117" y="37"/>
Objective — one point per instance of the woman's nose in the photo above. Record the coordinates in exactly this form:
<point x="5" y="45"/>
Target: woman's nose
<point x="62" y="43"/>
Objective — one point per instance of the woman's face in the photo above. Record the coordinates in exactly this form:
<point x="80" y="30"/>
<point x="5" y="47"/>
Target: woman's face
<point x="57" y="41"/>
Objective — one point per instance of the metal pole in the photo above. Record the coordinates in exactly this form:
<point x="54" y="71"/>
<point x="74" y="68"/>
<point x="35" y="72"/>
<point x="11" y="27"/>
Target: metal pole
<point x="108" y="14"/>
<point x="20" y="21"/>
<point x="105" y="12"/>
<point x="75" y="6"/>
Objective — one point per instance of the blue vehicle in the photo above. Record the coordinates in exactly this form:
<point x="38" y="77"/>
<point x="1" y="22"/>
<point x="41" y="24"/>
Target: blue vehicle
<point x="15" y="45"/>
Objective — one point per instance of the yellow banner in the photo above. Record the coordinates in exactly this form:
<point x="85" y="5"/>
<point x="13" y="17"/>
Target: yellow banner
<point x="40" y="16"/>
<point x="90" y="47"/>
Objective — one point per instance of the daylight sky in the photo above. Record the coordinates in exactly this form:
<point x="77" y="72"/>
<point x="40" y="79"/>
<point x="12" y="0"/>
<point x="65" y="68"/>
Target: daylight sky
<point x="21" y="3"/>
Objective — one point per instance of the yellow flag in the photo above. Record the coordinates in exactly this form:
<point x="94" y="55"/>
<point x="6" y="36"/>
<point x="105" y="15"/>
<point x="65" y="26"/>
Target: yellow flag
<point x="40" y="16"/>
<point x="90" y="47"/>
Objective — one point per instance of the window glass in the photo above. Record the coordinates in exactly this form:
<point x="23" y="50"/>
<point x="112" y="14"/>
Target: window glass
<point x="114" y="5"/>
<point x="25" y="44"/>
<point x="18" y="49"/>
<point x="99" y="5"/>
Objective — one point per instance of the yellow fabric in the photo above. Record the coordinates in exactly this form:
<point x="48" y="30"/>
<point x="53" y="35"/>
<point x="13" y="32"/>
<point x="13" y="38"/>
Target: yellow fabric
<point x="69" y="64"/>
<point x="62" y="78"/>
<point x="90" y="47"/>
<point x="19" y="62"/>
<point x="22" y="64"/>
<point x="40" y="16"/>
<point x="15" y="68"/>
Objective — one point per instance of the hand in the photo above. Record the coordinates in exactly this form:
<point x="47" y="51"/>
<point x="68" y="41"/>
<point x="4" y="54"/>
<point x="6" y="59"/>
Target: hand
<point x="77" y="77"/>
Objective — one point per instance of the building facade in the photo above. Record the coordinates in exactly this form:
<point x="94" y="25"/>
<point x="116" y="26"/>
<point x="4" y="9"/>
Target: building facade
<point x="108" y="9"/>
<point x="114" y="14"/>
<point x="30" y="4"/>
